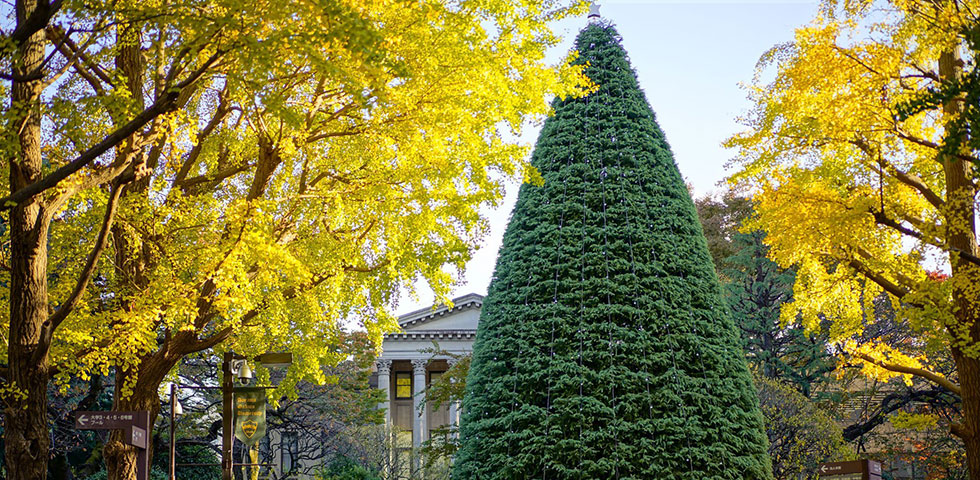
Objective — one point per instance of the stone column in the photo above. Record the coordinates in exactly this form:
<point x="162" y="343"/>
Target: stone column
<point x="384" y="383"/>
<point x="453" y="405"/>
<point x="420" y="429"/>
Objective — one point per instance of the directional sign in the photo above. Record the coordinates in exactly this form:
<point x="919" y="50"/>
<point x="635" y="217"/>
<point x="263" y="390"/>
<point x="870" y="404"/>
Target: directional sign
<point x="854" y="470"/>
<point x="135" y="427"/>
<point x="137" y="437"/>
<point x="843" y="476"/>
<point x="104" y="420"/>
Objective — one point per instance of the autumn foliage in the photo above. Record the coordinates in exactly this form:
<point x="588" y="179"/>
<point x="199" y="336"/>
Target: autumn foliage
<point x="865" y="179"/>
<point x="243" y="175"/>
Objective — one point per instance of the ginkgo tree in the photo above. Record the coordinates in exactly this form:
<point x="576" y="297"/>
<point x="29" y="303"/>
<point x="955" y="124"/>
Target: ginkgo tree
<point x="243" y="175"/>
<point x="865" y="176"/>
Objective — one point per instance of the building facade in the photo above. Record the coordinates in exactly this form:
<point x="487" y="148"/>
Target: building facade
<point x="408" y="364"/>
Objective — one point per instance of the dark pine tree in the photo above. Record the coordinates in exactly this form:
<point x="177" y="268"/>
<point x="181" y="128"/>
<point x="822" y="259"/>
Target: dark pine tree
<point x="604" y="348"/>
<point x="755" y="290"/>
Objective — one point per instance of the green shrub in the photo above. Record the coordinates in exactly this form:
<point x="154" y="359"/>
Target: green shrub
<point x="344" y="468"/>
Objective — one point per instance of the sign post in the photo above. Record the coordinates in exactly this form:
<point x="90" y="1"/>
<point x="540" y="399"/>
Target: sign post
<point x="228" y="395"/>
<point x="853" y="470"/>
<point x="135" y="427"/>
<point x="227" y="440"/>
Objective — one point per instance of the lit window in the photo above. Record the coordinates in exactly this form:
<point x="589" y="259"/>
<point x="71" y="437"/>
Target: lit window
<point x="403" y="385"/>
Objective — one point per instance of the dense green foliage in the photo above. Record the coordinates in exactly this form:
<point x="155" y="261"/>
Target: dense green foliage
<point x="604" y="348"/>
<point x="343" y="468"/>
<point x="755" y="290"/>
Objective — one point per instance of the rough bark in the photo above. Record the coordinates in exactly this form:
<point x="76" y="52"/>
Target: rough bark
<point x="25" y="421"/>
<point x="961" y="236"/>
<point x="120" y="459"/>
<point x="132" y="261"/>
<point x="32" y="325"/>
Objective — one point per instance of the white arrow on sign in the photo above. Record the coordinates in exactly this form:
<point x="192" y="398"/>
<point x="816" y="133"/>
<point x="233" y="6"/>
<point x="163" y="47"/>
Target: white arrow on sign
<point x="823" y="469"/>
<point x="82" y="420"/>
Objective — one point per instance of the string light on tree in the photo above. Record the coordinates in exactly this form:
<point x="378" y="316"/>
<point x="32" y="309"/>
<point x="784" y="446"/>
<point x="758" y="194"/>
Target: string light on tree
<point x="602" y="350"/>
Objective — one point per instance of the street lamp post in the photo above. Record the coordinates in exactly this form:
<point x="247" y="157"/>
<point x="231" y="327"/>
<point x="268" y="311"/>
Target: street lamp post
<point x="227" y="438"/>
<point x="175" y="410"/>
<point x="231" y="366"/>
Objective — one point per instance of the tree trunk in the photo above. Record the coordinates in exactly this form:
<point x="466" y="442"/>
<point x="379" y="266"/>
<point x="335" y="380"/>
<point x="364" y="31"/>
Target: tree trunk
<point x="961" y="236"/>
<point x="132" y="262"/>
<point x="120" y="458"/>
<point x="25" y="416"/>
<point x="969" y="373"/>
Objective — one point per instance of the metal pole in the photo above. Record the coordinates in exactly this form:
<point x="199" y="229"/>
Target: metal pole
<point x="173" y="429"/>
<point x="227" y="436"/>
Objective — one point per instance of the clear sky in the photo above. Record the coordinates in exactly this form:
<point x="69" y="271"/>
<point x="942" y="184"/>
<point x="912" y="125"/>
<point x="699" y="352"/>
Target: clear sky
<point x="690" y="57"/>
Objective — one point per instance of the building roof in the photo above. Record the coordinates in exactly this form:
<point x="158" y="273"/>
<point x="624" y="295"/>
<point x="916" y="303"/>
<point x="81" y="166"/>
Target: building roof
<point x="432" y="334"/>
<point x="422" y="315"/>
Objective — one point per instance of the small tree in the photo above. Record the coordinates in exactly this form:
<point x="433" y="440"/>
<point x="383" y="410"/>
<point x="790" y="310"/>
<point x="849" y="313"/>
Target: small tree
<point x="801" y="435"/>
<point x="343" y="468"/>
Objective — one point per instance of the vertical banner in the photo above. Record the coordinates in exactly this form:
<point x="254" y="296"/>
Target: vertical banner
<point x="249" y="411"/>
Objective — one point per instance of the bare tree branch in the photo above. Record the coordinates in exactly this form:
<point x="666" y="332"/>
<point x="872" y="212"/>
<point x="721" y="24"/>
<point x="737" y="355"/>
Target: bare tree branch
<point x="220" y="113"/>
<point x="39" y="18"/>
<point x="926" y="143"/>
<point x="909" y="179"/>
<point x="93" y="74"/>
<point x="216" y="177"/>
<point x="54" y="321"/>
<point x="93" y="258"/>
<point x="165" y="104"/>
<point x="209" y="342"/>
<point x="882" y="219"/>
<point x="919" y="372"/>
<point x="886" y="284"/>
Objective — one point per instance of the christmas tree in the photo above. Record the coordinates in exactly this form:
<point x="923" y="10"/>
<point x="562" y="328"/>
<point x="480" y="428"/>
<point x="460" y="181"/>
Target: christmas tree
<point x="604" y="348"/>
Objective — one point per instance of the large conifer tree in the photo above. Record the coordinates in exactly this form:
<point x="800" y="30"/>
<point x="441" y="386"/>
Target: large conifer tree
<point x="604" y="348"/>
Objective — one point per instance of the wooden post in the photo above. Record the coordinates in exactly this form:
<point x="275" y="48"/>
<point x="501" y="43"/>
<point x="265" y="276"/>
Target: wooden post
<point x="227" y="435"/>
<point x="173" y="431"/>
<point x="142" y="421"/>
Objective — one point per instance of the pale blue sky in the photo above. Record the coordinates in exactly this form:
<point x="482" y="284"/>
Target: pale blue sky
<point x="690" y="57"/>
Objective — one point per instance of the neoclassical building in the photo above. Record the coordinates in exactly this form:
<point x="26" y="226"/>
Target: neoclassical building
<point x="405" y="368"/>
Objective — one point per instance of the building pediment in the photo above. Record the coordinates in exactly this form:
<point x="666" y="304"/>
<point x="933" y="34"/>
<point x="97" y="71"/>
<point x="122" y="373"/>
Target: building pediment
<point x="463" y="316"/>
